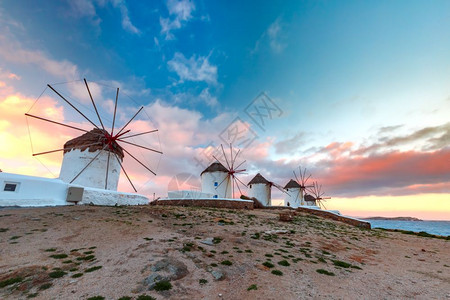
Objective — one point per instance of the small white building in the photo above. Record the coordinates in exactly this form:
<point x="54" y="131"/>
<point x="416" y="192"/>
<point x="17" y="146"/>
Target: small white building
<point x="260" y="188"/>
<point x="216" y="181"/>
<point x="73" y="186"/>
<point x="294" y="194"/>
<point x="310" y="200"/>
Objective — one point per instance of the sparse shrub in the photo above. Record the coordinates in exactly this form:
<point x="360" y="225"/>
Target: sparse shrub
<point x="268" y="264"/>
<point x="10" y="281"/>
<point x="57" y="274"/>
<point x="96" y="298"/>
<point x="125" y="298"/>
<point x="342" y="264"/>
<point x="277" y="272"/>
<point x="284" y="263"/>
<point x="32" y="295"/>
<point x="268" y="255"/>
<point x="226" y="263"/>
<point x="89" y="257"/>
<point x="203" y="281"/>
<point x="45" y="286"/>
<point x="163" y="285"/>
<point x="50" y="250"/>
<point x="77" y="275"/>
<point x="145" y="297"/>
<point x="92" y="269"/>
<point x="217" y="240"/>
<point x="252" y="287"/>
<point x="322" y="271"/>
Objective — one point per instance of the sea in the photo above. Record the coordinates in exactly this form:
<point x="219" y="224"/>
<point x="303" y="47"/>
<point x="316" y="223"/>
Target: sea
<point x="431" y="227"/>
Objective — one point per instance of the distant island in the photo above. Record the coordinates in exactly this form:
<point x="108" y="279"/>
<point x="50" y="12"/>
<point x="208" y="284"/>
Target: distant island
<point x="394" y="219"/>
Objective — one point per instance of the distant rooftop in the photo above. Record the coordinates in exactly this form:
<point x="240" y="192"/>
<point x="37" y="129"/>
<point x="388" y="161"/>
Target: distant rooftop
<point x="258" y="179"/>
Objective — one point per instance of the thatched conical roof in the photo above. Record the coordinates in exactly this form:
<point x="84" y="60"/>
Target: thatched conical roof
<point x="309" y="197"/>
<point x="215" y="167"/>
<point x="292" y="184"/>
<point x="258" y="179"/>
<point x="93" y="140"/>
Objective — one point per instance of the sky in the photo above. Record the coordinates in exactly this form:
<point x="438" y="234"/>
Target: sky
<point x="355" y="91"/>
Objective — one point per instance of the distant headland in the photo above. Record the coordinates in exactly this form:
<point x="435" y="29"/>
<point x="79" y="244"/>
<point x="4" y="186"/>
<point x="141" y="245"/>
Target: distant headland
<point x="394" y="218"/>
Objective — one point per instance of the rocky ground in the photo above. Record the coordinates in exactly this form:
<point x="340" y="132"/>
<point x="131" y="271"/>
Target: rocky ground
<point x="151" y="252"/>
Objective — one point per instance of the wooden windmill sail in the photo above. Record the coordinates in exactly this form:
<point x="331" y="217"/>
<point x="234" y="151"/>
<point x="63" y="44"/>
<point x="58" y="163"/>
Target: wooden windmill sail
<point x="316" y="191"/>
<point x="104" y="143"/>
<point x="302" y="181"/>
<point x="233" y="169"/>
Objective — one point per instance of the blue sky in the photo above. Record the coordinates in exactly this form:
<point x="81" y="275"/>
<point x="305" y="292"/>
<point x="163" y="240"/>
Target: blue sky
<point x="357" y="72"/>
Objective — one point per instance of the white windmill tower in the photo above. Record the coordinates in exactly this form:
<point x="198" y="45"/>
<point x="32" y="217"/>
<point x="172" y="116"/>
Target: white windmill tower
<point x="261" y="189"/>
<point x="96" y="158"/>
<point x="221" y="181"/>
<point x="295" y="189"/>
<point x="316" y="198"/>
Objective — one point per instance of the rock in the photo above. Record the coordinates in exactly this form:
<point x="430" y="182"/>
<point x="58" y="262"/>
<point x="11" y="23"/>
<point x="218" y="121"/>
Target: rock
<point x="151" y="280"/>
<point x="175" y="268"/>
<point x="208" y="241"/>
<point x="218" y="275"/>
<point x="276" y="232"/>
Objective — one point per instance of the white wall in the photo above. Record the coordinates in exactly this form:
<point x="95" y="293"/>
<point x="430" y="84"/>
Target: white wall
<point x="208" y="186"/>
<point x="111" y="198"/>
<point x="188" y="195"/>
<point x="294" y="196"/>
<point x="94" y="175"/>
<point x="260" y="191"/>
<point x="37" y="191"/>
<point x="32" y="191"/>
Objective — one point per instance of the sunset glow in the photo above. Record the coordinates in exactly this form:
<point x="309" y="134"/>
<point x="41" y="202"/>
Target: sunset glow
<point x="360" y="99"/>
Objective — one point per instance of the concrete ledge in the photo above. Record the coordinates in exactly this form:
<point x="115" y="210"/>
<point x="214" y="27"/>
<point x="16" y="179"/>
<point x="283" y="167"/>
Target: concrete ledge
<point x="217" y="203"/>
<point x="332" y="216"/>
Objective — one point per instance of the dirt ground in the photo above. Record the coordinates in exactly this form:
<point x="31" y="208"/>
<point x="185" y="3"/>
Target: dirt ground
<point x="79" y="252"/>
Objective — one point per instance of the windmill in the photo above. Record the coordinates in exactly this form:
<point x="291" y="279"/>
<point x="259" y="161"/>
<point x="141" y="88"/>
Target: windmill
<point x="261" y="189"/>
<point x="316" y="191"/>
<point x="302" y="182"/>
<point x="232" y="169"/>
<point x="99" y="155"/>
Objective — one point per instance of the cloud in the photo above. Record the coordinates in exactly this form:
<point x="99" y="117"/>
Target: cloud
<point x="208" y="99"/>
<point x="193" y="69"/>
<point x="290" y="145"/>
<point x="181" y="13"/>
<point x="87" y="9"/>
<point x="273" y="36"/>
<point x="274" y="33"/>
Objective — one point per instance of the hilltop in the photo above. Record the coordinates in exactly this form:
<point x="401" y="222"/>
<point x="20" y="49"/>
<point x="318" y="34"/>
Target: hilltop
<point x="78" y="252"/>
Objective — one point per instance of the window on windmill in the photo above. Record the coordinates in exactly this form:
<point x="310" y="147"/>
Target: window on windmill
<point x="215" y="196"/>
<point x="10" y="187"/>
<point x="215" y="183"/>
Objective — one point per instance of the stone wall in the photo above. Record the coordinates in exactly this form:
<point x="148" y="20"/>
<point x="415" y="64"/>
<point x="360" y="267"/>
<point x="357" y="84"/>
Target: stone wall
<point x="330" y="215"/>
<point x="238" y="204"/>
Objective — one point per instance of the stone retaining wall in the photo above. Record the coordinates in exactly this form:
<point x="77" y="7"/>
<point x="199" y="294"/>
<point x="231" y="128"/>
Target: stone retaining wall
<point x="207" y="203"/>
<point x="329" y="215"/>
